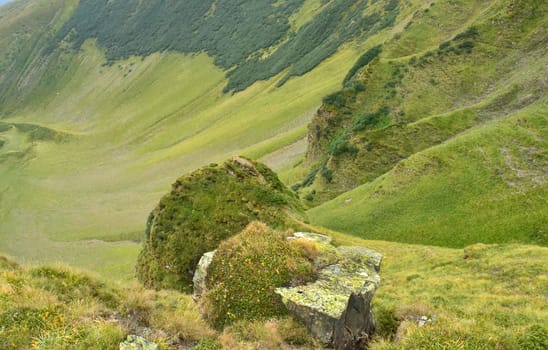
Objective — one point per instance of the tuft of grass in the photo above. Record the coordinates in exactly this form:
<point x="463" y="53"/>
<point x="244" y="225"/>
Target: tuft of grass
<point x="245" y="272"/>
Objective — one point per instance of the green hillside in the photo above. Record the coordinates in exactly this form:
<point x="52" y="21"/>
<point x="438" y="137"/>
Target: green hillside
<point x="415" y="128"/>
<point x="131" y="126"/>
<point x="488" y="185"/>
<point x="437" y="138"/>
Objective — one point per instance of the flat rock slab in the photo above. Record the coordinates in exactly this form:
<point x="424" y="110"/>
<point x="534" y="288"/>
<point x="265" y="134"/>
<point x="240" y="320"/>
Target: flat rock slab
<point x="337" y="306"/>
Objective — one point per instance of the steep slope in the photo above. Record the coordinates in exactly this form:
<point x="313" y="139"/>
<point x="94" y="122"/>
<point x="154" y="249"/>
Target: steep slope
<point x="488" y="185"/>
<point x="483" y="76"/>
<point x="133" y="117"/>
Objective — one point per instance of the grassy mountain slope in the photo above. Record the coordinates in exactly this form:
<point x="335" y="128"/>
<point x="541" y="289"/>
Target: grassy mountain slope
<point x="256" y="39"/>
<point x="130" y="126"/>
<point x="488" y="185"/>
<point x="425" y="107"/>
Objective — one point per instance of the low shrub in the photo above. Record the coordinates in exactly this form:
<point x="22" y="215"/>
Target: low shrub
<point x="245" y="272"/>
<point x="386" y="321"/>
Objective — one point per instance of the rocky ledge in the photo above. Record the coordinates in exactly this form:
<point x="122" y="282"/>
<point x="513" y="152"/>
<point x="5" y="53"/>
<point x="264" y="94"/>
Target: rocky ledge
<point x="337" y="306"/>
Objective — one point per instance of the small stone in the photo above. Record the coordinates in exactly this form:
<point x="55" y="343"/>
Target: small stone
<point x="423" y="320"/>
<point x="135" y="342"/>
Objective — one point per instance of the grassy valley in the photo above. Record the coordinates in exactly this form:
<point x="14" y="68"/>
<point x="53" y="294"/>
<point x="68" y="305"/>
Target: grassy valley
<point x="414" y="128"/>
<point x="134" y="126"/>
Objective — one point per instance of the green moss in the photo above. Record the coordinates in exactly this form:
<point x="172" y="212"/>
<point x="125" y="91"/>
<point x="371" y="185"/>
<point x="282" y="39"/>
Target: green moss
<point x="246" y="270"/>
<point x="204" y="208"/>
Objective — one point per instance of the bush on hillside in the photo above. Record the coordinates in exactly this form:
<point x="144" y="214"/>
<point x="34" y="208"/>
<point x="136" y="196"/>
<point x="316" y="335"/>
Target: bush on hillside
<point x="247" y="269"/>
<point x="363" y="61"/>
<point x="204" y="208"/>
<point x="341" y="145"/>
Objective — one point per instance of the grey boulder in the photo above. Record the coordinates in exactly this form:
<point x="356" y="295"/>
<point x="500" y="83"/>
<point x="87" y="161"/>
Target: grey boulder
<point x="336" y="308"/>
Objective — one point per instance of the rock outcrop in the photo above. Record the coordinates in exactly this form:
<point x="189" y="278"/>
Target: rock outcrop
<point x="337" y="306"/>
<point x="135" y="342"/>
<point x="199" y="279"/>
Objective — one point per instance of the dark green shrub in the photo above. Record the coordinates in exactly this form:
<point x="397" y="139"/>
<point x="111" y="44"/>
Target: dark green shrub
<point x="327" y="174"/>
<point x="386" y="321"/>
<point x="246" y="270"/>
<point x="336" y="99"/>
<point x="309" y="178"/>
<point x="444" y="45"/>
<point x="369" y="120"/>
<point x="391" y="5"/>
<point x="363" y="61"/>
<point x="470" y="33"/>
<point x="340" y="145"/>
<point x="467" y="46"/>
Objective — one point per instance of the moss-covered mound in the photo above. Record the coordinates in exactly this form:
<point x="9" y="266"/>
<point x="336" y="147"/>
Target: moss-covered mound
<point x="247" y="269"/>
<point x="204" y="208"/>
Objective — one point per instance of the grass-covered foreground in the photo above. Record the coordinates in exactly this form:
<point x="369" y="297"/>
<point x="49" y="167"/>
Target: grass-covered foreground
<point x="480" y="297"/>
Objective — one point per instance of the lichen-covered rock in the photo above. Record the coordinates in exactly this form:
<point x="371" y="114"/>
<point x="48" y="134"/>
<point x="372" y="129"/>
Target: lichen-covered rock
<point x="315" y="237"/>
<point x="337" y="306"/>
<point x="199" y="279"/>
<point x="135" y="342"/>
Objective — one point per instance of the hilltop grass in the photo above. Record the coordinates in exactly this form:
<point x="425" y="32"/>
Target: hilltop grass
<point x="487" y="185"/>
